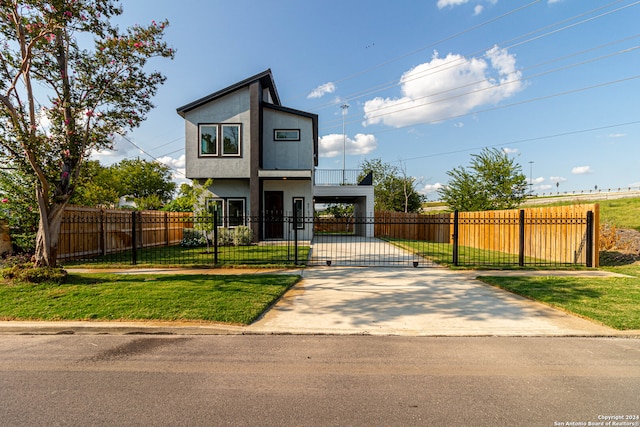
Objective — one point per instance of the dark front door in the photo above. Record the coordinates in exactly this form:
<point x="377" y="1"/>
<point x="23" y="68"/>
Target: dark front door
<point x="273" y="215"/>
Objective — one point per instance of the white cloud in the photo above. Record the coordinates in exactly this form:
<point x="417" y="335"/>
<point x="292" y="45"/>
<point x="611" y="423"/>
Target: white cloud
<point x="121" y="149"/>
<point x="617" y="135"/>
<point x="554" y="1"/>
<point x="508" y="150"/>
<point x="445" y="3"/>
<point x="543" y="187"/>
<point x="478" y="9"/>
<point x="332" y="145"/>
<point x="431" y="188"/>
<point x="557" y="179"/>
<point x="322" y="90"/>
<point x="446" y="88"/>
<point x="581" y="170"/>
<point x="538" y="180"/>
<point x="172" y="162"/>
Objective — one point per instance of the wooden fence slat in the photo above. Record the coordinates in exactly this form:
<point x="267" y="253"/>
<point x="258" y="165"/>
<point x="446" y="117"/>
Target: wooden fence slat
<point x="94" y="231"/>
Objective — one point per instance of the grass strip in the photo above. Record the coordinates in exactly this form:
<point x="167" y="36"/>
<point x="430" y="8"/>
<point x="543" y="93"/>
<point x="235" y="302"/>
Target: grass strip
<point x="233" y="299"/>
<point x="613" y="301"/>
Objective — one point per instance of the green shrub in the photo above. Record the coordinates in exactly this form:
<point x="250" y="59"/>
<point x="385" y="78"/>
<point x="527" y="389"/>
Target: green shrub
<point x="225" y="236"/>
<point x="30" y="274"/>
<point x="242" y="236"/>
<point x="192" y="238"/>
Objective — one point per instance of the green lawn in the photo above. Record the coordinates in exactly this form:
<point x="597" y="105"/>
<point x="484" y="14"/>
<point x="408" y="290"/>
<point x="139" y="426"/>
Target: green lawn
<point x="234" y="299"/>
<point x="442" y="253"/>
<point x="623" y="213"/>
<point x="614" y="301"/>
<point x="265" y="255"/>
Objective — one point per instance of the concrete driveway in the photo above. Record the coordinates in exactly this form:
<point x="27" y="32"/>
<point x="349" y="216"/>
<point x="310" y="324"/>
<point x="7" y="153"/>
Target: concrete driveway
<point x="417" y="302"/>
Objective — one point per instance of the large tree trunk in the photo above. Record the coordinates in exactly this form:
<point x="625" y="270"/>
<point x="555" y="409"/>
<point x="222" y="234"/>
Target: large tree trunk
<point x="48" y="234"/>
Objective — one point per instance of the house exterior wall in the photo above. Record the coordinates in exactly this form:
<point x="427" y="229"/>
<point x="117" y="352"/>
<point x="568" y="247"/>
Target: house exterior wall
<point x="226" y="188"/>
<point x="232" y="108"/>
<point x="286" y="155"/>
<point x="292" y="189"/>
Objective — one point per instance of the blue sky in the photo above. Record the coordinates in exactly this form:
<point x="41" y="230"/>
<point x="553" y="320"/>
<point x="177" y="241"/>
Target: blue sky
<point x="554" y="83"/>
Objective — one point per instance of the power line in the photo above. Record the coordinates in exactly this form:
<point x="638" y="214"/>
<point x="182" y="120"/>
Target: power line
<point x="433" y="44"/>
<point x="378" y="88"/>
<point x="154" y="158"/>
<point x="527" y="101"/>
<point x="521" y="141"/>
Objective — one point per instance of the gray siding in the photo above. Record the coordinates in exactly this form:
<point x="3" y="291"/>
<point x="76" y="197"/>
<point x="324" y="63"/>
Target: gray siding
<point x="287" y="155"/>
<point x="232" y="108"/>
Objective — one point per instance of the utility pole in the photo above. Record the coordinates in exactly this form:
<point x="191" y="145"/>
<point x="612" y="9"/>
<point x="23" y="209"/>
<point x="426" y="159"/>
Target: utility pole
<point x="530" y="178"/>
<point x="344" y="107"/>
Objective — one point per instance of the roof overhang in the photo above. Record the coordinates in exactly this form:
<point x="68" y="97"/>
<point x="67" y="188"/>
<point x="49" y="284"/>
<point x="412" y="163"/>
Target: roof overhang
<point x="284" y="174"/>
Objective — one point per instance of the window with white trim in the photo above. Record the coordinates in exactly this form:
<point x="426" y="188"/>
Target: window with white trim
<point x="215" y="205"/>
<point x="208" y="140"/>
<point x="235" y="209"/>
<point x="220" y="140"/>
<point x="298" y="208"/>
<point x="286" y="134"/>
<point x="230" y="212"/>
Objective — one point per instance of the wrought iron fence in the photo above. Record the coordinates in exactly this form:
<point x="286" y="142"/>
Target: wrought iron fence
<point x="497" y="239"/>
<point x="159" y="238"/>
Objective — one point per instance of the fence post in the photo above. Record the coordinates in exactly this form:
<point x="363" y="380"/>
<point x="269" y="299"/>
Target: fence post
<point x="295" y="235"/>
<point x="215" y="237"/>
<point x="134" y="239"/>
<point x="103" y="232"/>
<point x="590" y="239"/>
<point x="455" y="238"/>
<point x="166" y="229"/>
<point x="521" y="239"/>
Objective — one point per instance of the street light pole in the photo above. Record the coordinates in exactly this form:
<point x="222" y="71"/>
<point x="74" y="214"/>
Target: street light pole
<point x="530" y="177"/>
<point x="344" y="107"/>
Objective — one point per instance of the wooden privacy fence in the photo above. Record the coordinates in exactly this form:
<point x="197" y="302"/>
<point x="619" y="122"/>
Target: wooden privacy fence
<point x="563" y="234"/>
<point x="87" y="232"/>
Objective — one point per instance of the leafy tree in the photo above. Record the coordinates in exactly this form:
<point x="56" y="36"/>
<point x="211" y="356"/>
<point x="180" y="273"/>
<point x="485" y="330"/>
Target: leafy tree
<point x="339" y="210"/>
<point x="96" y="186"/>
<point x="184" y="202"/>
<point x="394" y="190"/>
<point x="493" y="181"/>
<point x="149" y="184"/>
<point x="18" y="207"/>
<point x="60" y="99"/>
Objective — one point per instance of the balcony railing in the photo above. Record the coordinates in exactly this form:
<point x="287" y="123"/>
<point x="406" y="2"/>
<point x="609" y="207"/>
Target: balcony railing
<point x="341" y="177"/>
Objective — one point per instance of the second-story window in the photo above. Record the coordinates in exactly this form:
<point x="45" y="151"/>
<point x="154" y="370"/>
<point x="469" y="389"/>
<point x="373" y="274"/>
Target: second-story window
<point x="230" y="140"/>
<point x="220" y="140"/>
<point x="209" y="140"/>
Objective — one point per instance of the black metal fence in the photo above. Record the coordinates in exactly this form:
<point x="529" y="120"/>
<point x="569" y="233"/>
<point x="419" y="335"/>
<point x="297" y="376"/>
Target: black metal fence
<point x="489" y="239"/>
<point x="158" y="238"/>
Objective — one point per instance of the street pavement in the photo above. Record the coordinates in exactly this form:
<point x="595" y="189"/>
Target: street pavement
<point x="371" y="301"/>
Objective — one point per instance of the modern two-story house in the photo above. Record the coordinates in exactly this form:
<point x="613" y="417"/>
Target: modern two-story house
<point x="260" y="154"/>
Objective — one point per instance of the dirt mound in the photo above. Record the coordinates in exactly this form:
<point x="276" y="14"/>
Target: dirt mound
<point x="619" y="246"/>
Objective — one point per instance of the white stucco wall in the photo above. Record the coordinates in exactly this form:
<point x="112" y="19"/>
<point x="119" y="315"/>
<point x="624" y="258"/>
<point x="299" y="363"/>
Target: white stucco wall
<point x="232" y="108"/>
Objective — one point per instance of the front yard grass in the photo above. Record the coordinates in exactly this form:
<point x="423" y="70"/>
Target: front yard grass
<point x="471" y="258"/>
<point x="613" y="301"/>
<point x="233" y="299"/>
<point x="172" y="256"/>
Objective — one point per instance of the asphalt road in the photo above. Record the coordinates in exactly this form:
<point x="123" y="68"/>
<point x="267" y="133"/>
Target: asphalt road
<point x="316" y="380"/>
